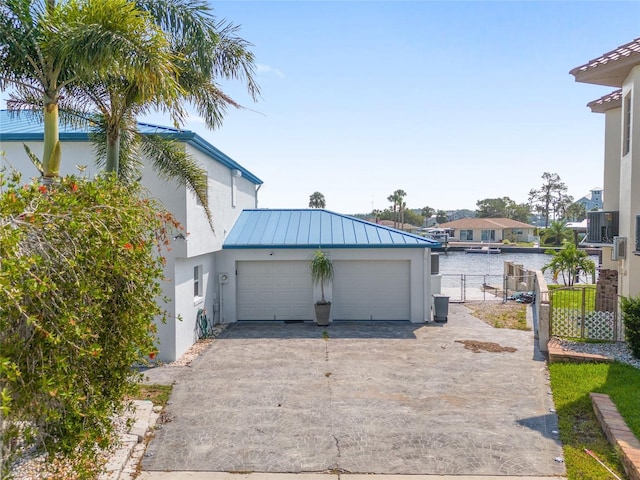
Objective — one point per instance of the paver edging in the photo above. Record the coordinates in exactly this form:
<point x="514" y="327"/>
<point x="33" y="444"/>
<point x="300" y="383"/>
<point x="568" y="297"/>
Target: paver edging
<point x="559" y="354"/>
<point x="618" y="433"/>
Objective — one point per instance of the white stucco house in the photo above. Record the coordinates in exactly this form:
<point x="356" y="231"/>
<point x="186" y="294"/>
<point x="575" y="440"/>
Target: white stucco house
<point x="191" y="264"/>
<point x="619" y="68"/>
<point x="379" y="273"/>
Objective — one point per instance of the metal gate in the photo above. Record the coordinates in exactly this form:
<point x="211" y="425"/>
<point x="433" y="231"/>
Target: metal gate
<point x="461" y="288"/>
<point x="580" y="312"/>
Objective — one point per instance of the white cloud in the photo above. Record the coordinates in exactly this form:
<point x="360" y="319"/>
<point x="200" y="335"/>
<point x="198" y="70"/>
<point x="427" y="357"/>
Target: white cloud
<point x="267" y="69"/>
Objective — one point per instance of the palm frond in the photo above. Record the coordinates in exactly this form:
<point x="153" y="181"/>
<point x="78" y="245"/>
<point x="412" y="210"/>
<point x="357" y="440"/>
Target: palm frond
<point x="172" y="163"/>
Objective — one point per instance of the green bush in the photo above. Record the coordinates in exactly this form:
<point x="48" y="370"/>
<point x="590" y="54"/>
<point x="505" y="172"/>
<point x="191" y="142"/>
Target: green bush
<point x="80" y="267"/>
<point x="631" y="316"/>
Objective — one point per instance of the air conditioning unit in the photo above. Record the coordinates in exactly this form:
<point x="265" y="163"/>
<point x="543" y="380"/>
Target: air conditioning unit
<point x="619" y="248"/>
<point x="602" y="227"/>
<point x="223" y="278"/>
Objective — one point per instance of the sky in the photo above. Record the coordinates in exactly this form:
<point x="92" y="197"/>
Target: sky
<point x="452" y="102"/>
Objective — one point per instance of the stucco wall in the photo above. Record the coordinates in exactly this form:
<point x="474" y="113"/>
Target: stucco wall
<point x="629" y="279"/>
<point x="73" y="153"/>
<point x="419" y="271"/>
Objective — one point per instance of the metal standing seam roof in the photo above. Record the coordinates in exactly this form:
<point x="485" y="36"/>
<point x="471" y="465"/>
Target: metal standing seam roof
<point x="315" y="228"/>
<point x="25" y="126"/>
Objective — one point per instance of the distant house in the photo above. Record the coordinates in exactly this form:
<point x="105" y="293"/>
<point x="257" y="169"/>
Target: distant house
<point x="405" y="227"/>
<point x="593" y="201"/>
<point x="489" y="230"/>
<point x="619" y="68"/>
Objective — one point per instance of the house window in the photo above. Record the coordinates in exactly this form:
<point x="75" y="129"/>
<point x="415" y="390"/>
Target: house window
<point x="626" y="141"/>
<point x="197" y="282"/>
<point x="466" y="235"/>
<point x="488" y="235"/>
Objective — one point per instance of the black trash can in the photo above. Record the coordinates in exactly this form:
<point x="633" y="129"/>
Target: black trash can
<point x="440" y="308"/>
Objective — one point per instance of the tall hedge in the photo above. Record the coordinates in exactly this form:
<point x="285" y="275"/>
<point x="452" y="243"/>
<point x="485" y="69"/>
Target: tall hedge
<point x="80" y="267"/>
<point x="631" y="316"/>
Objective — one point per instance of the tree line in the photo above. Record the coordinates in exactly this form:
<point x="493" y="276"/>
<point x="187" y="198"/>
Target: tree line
<point x="550" y="201"/>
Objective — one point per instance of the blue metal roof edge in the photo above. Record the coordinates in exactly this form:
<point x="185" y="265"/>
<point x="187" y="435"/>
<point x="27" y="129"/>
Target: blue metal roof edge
<point x="186" y="136"/>
<point x="422" y="241"/>
<point x="327" y="247"/>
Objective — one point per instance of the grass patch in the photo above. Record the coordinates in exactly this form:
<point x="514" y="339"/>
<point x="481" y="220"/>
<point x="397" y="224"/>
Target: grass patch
<point x="572" y="298"/>
<point x="158" y="394"/>
<point x="571" y="384"/>
<point x="501" y="315"/>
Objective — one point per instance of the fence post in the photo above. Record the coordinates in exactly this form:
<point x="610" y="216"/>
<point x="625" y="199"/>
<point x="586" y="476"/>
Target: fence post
<point x="583" y="316"/>
<point x="543" y="311"/>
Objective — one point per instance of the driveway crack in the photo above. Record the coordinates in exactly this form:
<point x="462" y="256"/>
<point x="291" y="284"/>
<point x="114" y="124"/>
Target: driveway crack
<point x="330" y="403"/>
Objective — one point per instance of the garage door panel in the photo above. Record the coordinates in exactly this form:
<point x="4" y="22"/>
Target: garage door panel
<point x="372" y="290"/>
<point x="279" y="290"/>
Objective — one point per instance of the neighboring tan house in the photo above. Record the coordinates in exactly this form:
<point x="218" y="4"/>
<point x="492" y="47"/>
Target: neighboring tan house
<point x="619" y="68"/>
<point x="593" y="201"/>
<point x="380" y="273"/>
<point x="489" y="230"/>
<point x="191" y="268"/>
<point x="405" y="227"/>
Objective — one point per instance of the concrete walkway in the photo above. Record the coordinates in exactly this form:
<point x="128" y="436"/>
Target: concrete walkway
<point x="392" y="399"/>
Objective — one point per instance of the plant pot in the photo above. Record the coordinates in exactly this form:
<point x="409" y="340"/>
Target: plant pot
<point x="323" y="311"/>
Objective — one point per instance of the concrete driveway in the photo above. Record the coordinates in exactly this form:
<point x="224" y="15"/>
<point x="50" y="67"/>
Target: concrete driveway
<point x="362" y="397"/>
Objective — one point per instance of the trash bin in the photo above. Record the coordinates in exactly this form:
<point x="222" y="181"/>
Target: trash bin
<point x="440" y="308"/>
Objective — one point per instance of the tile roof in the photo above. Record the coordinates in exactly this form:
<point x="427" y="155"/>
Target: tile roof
<point x="610" y="68"/>
<point x="27" y="126"/>
<point x="485" y="223"/>
<point x="315" y="228"/>
<point x="607" y="102"/>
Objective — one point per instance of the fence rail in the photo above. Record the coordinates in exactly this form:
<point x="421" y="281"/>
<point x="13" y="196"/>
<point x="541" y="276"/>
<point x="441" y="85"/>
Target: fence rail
<point x="463" y="288"/>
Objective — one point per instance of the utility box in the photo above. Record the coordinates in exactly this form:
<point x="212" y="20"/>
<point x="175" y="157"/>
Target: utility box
<point x="440" y="308"/>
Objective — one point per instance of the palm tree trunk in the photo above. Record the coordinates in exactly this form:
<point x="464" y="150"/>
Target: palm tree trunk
<point x="51" y="154"/>
<point x="113" y="150"/>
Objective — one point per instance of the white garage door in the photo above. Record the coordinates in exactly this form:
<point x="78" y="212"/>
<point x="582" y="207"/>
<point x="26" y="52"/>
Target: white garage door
<point x="371" y="290"/>
<point x="274" y="291"/>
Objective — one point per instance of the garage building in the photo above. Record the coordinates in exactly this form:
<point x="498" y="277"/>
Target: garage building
<point x="379" y="273"/>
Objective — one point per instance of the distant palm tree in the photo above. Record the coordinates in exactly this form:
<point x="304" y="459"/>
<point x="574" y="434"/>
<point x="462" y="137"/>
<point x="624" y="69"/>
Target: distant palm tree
<point x="556" y="234"/>
<point x="316" y="200"/>
<point x="570" y="262"/>
<point x="397" y="200"/>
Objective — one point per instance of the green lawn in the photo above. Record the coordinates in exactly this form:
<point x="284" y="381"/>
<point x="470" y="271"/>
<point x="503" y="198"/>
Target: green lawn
<point x="563" y="297"/>
<point x="579" y="429"/>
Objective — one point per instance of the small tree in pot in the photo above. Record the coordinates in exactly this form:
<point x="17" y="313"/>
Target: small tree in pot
<point x="321" y="272"/>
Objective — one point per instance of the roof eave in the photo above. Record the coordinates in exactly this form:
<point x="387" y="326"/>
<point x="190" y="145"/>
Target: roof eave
<point x="326" y="246"/>
<point x="612" y="73"/>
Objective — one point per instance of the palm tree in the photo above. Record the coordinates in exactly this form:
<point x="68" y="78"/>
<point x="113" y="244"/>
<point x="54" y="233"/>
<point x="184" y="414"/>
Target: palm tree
<point x="397" y="200"/>
<point x="556" y="234"/>
<point x="570" y="262"/>
<point x="316" y="200"/>
<point x="46" y="48"/>
<point x="185" y="53"/>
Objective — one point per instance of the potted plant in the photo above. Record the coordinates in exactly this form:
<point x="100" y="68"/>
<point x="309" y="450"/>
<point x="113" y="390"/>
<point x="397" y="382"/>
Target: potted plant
<point x="321" y="272"/>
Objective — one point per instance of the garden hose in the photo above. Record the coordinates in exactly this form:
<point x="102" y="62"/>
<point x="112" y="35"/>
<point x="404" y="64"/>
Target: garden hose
<point x="202" y="323"/>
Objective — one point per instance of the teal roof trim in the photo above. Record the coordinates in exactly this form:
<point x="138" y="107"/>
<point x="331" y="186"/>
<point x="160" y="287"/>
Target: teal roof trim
<point x="28" y="127"/>
<point x="315" y="228"/>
